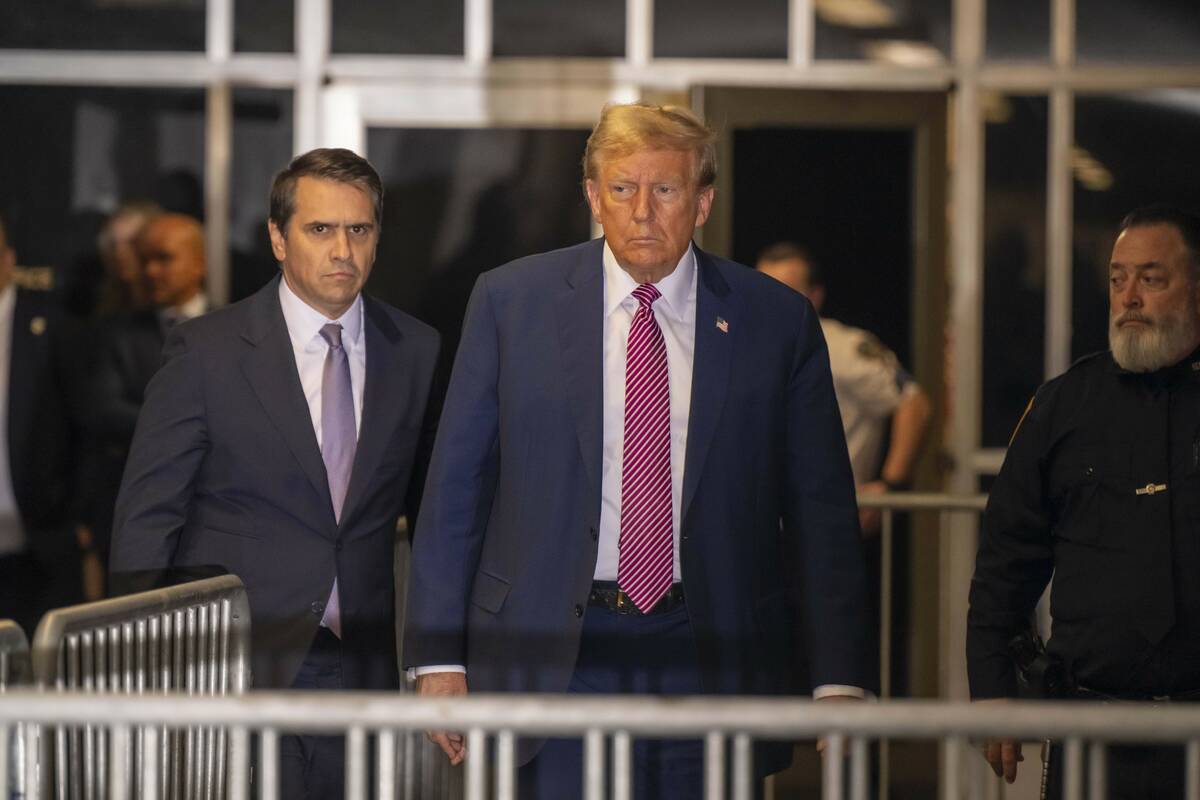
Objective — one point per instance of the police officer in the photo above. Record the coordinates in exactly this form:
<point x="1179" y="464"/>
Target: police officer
<point x="1101" y="488"/>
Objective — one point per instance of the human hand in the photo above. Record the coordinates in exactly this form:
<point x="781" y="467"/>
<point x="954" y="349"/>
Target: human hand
<point x="1002" y="755"/>
<point x="834" y="698"/>
<point x="445" y="684"/>
<point x="870" y="519"/>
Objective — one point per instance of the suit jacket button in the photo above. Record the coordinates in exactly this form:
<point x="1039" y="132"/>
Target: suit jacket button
<point x="578" y="610"/>
<point x="317" y="607"/>
<point x="338" y="546"/>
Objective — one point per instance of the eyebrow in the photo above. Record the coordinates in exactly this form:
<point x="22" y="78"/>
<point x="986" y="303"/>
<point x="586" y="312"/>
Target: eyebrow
<point x="315" y="222"/>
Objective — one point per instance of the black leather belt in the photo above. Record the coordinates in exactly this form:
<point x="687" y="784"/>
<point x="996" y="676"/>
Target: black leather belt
<point x="606" y="594"/>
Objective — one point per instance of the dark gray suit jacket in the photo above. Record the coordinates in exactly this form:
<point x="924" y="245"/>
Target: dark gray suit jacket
<point x="225" y="475"/>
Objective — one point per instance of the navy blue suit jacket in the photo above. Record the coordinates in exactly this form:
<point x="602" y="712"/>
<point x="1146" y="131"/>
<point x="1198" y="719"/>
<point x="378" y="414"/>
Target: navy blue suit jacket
<point x="506" y="547"/>
<point x="225" y="475"/>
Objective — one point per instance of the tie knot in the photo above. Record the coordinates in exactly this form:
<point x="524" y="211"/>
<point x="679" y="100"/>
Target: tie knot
<point x="332" y="334"/>
<point x="646" y="294"/>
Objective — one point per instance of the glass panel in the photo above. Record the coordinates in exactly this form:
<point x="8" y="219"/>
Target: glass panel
<point x="113" y="25"/>
<point x="719" y="29"/>
<point x="262" y="145"/>
<point x="411" y="27"/>
<point x="1149" y="30"/>
<point x="594" y="28"/>
<point x="1014" y="284"/>
<point x="80" y="152"/>
<point x="859" y="238"/>
<point x="1133" y="149"/>
<point x="1018" y="29"/>
<point x="914" y="33"/>
<point x="459" y="202"/>
<point x="264" y="26"/>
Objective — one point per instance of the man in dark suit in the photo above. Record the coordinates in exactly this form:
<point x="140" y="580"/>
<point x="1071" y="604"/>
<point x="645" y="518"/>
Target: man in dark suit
<point x="39" y="563"/>
<point x="627" y="423"/>
<point x="172" y="261"/>
<point x="277" y="443"/>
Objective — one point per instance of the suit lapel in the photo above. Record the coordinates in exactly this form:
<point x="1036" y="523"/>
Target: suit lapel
<point x="383" y="388"/>
<point x="270" y="368"/>
<point x="580" y="312"/>
<point x="717" y="323"/>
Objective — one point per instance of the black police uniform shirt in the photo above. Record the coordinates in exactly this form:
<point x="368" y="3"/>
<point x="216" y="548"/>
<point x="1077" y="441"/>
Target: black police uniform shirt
<point x="1101" y="488"/>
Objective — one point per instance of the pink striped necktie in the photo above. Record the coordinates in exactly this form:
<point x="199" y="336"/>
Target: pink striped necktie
<point x="646" y="545"/>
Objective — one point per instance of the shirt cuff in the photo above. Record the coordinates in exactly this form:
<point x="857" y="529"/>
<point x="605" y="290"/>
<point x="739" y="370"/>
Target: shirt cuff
<point x="414" y="672"/>
<point x="839" y="690"/>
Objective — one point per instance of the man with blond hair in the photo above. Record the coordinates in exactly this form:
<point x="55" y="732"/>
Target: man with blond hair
<point x="627" y="422"/>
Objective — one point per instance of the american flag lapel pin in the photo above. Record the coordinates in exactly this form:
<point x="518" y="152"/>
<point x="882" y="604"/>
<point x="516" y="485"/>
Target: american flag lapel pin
<point x="722" y="325"/>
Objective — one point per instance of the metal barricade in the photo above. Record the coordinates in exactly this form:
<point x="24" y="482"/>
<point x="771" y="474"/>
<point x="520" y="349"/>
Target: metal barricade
<point x="192" y="639"/>
<point x="608" y="727"/>
<point x="889" y="504"/>
<point x="16" y="671"/>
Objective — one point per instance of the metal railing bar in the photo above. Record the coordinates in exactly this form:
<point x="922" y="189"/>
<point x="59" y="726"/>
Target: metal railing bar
<point x="1073" y="769"/>
<point x="743" y="767"/>
<point x="714" y="765"/>
<point x="238" y="777"/>
<point x="506" y="762"/>
<point x="952" y="758"/>
<point x="385" y="763"/>
<point x="356" y="763"/>
<point x="923" y="501"/>
<point x="860" y="760"/>
<point x="593" y="759"/>
<point x="1193" y="769"/>
<point x="622" y="765"/>
<point x="148" y="781"/>
<point x="268" y="756"/>
<point x="476" y="763"/>
<point x="118" y="783"/>
<point x="1097" y="770"/>
<point x="833" y="768"/>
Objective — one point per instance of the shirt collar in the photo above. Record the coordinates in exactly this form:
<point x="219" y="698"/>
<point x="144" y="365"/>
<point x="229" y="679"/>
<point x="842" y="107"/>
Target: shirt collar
<point x="676" y="288"/>
<point x="304" y="322"/>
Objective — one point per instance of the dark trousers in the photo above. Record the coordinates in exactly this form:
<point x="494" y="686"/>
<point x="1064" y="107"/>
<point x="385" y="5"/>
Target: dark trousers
<point x="314" y="767"/>
<point x="1134" y="772"/>
<point x="628" y="654"/>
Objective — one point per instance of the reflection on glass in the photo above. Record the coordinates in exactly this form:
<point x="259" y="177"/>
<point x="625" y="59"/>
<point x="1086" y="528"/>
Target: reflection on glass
<point x="1149" y="30"/>
<point x="408" y="27"/>
<point x="264" y="26"/>
<point x="83" y="25"/>
<point x="1014" y="286"/>
<point x="77" y="154"/>
<point x="1146" y="146"/>
<point x="1018" y="29"/>
<point x="262" y="145"/>
<point x="592" y="29"/>
<point x="459" y="202"/>
<point x="719" y="29"/>
<point x="912" y="34"/>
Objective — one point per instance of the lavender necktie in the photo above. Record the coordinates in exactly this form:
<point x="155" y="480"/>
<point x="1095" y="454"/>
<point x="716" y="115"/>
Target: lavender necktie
<point x="338" y="441"/>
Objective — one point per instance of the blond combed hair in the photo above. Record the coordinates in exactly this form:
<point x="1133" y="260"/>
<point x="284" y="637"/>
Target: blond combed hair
<point x="625" y="129"/>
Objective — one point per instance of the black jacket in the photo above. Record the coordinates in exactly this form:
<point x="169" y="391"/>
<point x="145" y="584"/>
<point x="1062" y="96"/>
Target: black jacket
<point x="1101" y="488"/>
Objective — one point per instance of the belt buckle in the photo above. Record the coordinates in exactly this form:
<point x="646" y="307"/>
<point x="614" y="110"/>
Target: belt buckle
<point x="622" y="600"/>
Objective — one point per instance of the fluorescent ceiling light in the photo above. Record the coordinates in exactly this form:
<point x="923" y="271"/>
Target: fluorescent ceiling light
<point x="856" y="13"/>
<point x="904" y="53"/>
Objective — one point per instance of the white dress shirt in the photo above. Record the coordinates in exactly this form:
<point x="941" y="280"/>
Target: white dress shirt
<point x="12" y="536"/>
<point x="675" y="313"/>
<point x="304" y="325"/>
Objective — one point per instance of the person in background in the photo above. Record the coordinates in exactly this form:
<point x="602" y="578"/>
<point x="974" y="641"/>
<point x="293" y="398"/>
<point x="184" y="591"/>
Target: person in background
<point x="123" y="288"/>
<point x="872" y="387"/>
<point x="39" y="563"/>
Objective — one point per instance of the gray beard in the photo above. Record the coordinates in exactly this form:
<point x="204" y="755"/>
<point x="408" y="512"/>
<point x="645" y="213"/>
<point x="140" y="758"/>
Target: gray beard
<point x="1163" y="344"/>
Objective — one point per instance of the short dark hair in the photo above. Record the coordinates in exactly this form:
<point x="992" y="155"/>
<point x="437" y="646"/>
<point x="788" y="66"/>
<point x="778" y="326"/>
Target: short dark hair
<point x="1185" y="221"/>
<point x="329" y="164"/>
<point x="786" y="251"/>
